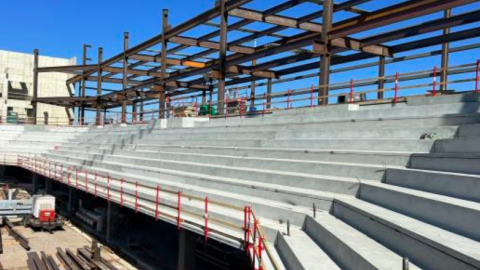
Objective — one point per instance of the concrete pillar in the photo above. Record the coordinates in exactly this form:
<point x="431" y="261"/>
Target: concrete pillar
<point x="72" y="200"/>
<point x="48" y="186"/>
<point x="35" y="182"/>
<point x="113" y="211"/>
<point x="186" y="250"/>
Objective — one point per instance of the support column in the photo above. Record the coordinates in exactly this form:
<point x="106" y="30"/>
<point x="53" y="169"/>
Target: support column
<point x="445" y="56"/>
<point x="2" y="171"/>
<point x="83" y="85"/>
<point x="99" y="87"/>
<point x="222" y="57"/>
<point x="48" y="185"/>
<point x="113" y="211"/>
<point x="163" y="67"/>
<point x="72" y="200"/>
<point x="186" y="250"/>
<point x="134" y="112"/>
<point x="253" y="88"/>
<point x="326" y="58"/>
<point x="125" y="76"/>
<point x="269" y="93"/>
<point x="381" y="75"/>
<point x="35" y="182"/>
<point x="141" y="111"/>
<point x="35" y="85"/>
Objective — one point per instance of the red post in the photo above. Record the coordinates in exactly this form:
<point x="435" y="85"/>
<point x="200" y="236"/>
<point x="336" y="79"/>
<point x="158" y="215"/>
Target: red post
<point x="95" y="184"/>
<point x="351" y="91"/>
<point x="68" y="175"/>
<point x="136" y="197"/>
<point x="121" y="192"/>
<point x="157" y="202"/>
<point x="395" y="99"/>
<point x="179" y="208"/>
<point x="206" y="219"/>
<point x="288" y="99"/>
<point x="76" y="178"/>
<point x="477" y="76"/>
<point x="434" y="87"/>
<point x="260" y="249"/>
<point x="264" y="104"/>
<point x="246" y="225"/>
<point x="311" y="97"/>
<point x="61" y="171"/>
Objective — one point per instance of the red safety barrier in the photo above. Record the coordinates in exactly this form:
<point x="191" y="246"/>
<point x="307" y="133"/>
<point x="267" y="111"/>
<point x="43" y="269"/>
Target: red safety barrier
<point x="395" y="99"/>
<point x="69" y="175"/>
<point x="55" y="172"/>
<point x="136" y="197"/>
<point x="246" y="226"/>
<point x="95" y="184"/>
<point x="260" y="251"/>
<point x="61" y="175"/>
<point x="477" y="76"/>
<point x="311" y="97"/>
<point x="179" y="208"/>
<point x="157" y="204"/>
<point x="288" y="99"/>
<point x="434" y="85"/>
<point x="206" y="219"/>
<point x="264" y="104"/>
<point x="76" y="178"/>
<point x="108" y="188"/>
<point x="121" y="192"/>
<point x="351" y="91"/>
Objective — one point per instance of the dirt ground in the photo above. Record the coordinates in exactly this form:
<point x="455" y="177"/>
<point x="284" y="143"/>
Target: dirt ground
<point x="14" y="256"/>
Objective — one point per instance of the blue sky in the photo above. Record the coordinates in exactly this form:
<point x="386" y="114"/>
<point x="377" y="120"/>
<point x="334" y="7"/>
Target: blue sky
<point x="59" y="28"/>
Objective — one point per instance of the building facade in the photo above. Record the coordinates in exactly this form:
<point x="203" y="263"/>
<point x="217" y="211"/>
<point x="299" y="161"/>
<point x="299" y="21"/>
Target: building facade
<point x="16" y="88"/>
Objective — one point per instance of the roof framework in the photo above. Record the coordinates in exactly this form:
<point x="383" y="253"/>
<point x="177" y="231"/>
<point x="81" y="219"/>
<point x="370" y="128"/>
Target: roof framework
<point x="147" y="73"/>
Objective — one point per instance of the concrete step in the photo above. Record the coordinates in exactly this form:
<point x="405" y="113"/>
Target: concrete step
<point x="459" y="145"/>
<point x="462" y="186"/>
<point x="425" y="245"/>
<point x="349" y="248"/>
<point x="299" y="251"/>
<point x="449" y="162"/>
<point x="281" y="193"/>
<point x="330" y="183"/>
<point x="374" y="172"/>
<point x="469" y="130"/>
<point x="456" y="215"/>
<point x="348" y="156"/>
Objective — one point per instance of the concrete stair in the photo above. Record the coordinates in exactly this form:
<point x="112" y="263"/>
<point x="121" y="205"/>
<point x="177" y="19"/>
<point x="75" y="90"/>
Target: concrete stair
<point x="360" y="186"/>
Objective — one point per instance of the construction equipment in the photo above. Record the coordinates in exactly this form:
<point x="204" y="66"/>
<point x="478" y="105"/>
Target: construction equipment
<point x="43" y="215"/>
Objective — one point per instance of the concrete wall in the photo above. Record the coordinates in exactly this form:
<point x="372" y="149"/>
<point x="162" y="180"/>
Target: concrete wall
<point x="16" y="71"/>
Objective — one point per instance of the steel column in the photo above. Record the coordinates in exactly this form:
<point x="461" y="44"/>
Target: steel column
<point x="445" y="55"/>
<point x="326" y="58"/>
<point x="222" y="56"/>
<point x="381" y="75"/>
<point x="83" y="85"/>
<point x="163" y="67"/>
<point x="35" y="85"/>
<point x="99" y="87"/>
<point x="125" y="76"/>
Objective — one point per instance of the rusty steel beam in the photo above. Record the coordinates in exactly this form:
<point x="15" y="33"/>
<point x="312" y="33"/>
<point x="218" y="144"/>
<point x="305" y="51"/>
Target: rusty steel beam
<point x="210" y="45"/>
<point x="69" y="69"/>
<point x="169" y="61"/>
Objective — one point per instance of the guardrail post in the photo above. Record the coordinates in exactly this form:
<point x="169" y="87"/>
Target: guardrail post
<point x="76" y="178"/>
<point x="311" y="97"/>
<point x="179" y="208"/>
<point x="95" y="184"/>
<point x="86" y="181"/>
<point x="68" y="176"/>
<point x="288" y="99"/>
<point x="121" y="192"/>
<point x="206" y="219"/>
<point x="61" y="172"/>
<point x="395" y="99"/>
<point x="260" y="250"/>
<point x="246" y="226"/>
<point x="108" y="188"/>
<point x="477" y="76"/>
<point x="157" y="202"/>
<point x="434" y="85"/>
<point x="351" y="91"/>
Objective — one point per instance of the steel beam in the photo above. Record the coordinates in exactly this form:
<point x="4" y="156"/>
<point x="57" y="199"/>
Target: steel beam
<point x="381" y="76"/>
<point x="163" y="72"/>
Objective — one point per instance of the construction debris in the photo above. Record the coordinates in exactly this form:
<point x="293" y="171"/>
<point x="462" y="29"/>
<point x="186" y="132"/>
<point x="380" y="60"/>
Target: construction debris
<point x="16" y="234"/>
